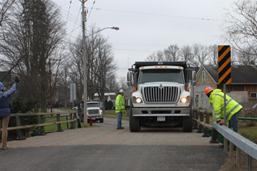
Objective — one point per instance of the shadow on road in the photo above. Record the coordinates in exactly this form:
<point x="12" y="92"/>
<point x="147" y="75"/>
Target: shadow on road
<point x="158" y="129"/>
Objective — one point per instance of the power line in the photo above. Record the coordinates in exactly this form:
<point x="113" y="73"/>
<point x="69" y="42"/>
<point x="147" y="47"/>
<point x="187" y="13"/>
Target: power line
<point x="91" y="9"/>
<point x="75" y="27"/>
<point x="207" y="19"/>
<point x="68" y="14"/>
<point x="130" y="50"/>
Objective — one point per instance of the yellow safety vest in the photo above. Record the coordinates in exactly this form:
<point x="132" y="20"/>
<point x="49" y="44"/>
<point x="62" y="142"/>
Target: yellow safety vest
<point x="217" y="101"/>
<point x="119" y="103"/>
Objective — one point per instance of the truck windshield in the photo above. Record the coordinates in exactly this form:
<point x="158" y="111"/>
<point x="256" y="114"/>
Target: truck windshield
<point x="93" y="105"/>
<point x="161" y="75"/>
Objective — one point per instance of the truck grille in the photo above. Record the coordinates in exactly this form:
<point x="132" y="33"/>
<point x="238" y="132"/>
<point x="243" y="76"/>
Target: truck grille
<point x="93" y="111"/>
<point x="161" y="94"/>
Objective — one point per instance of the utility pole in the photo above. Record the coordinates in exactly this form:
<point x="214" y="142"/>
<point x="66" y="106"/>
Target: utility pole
<point x="84" y="19"/>
<point x="50" y="85"/>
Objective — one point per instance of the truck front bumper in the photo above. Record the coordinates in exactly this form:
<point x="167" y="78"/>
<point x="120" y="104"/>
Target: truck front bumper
<point x="150" y="112"/>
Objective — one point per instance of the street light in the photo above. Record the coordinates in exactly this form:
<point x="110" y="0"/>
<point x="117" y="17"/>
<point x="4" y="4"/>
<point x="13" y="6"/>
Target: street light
<point x="85" y="68"/>
<point x="105" y="28"/>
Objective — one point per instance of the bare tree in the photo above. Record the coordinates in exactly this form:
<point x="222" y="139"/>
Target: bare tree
<point x="200" y="53"/>
<point x="213" y="56"/>
<point x="4" y="7"/>
<point x="111" y="83"/>
<point x="186" y="54"/>
<point x="158" y="56"/>
<point x="242" y="29"/>
<point x="100" y="65"/>
<point x="172" y="53"/>
<point x="195" y="55"/>
<point x="30" y="38"/>
<point x="104" y="66"/>
<point x="246" y="56"/>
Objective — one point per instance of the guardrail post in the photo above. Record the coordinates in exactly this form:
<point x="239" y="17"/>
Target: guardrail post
<point x="67" y="119"/>
<point x="231" y="149"/>
<point x="195" y="124"/>
<point x="59" y="125"/>
<point x="238" y="157"/>
<point x="207" y="119"/>
<point x="249" y="161"/>
<point x="205" y="130"/>
<point x="200" y="127"/>
<point x="40" y="130"/>
<point x="225" y="145"/>
<point x="71" y="123"/>
<point x="75" y="120"/>
<point x="20" y="135"/>
<point x="214" y="136"/>
<point x="78" y="125"/>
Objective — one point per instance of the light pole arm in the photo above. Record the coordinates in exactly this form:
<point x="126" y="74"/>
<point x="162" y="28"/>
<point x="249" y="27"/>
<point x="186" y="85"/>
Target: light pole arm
<point x="98" y="31"/>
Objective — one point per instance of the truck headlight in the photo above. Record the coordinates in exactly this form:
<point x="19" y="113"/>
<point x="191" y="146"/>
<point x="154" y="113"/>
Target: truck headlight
<point x="137" y="100"/>
<point x="185" y="100"/>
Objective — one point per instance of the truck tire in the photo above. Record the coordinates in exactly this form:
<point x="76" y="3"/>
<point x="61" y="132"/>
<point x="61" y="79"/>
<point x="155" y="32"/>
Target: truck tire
<point x="102" y="120"/>
<point x="187" y="124"/>
<point x="134" y="123"/>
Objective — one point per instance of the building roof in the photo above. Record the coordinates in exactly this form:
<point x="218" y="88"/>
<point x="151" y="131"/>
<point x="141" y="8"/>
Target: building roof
<point x="240" y="74"/>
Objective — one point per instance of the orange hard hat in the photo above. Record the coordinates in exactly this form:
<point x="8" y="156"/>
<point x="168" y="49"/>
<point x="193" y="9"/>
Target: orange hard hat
<point x="207" y="90"/>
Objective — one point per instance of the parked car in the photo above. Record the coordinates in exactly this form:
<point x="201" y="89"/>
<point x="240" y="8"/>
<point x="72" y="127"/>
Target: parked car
<point x="94" y="112"/>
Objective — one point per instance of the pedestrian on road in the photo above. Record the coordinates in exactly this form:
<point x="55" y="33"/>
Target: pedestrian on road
<point x="233" y="108"/>
<point x="5" y="110"/>
<point x="119" y="108"/>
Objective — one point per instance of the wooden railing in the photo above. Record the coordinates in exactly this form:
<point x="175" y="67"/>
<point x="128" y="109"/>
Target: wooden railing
<point x="70" y="120"/>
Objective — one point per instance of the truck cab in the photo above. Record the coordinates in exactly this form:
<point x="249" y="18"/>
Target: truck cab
<point x="160" y="95"/>
<point x="94" y="112"/>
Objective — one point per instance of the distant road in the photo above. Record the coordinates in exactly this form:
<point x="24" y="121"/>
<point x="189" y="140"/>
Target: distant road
<point x="103" y="148"/>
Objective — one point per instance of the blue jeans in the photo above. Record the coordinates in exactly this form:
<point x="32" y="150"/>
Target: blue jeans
<point x="233" y="122"/>
<point x="119" y="119"/>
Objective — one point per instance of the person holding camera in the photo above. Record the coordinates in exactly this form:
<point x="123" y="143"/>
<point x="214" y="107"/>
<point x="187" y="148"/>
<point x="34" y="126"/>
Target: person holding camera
<point x="5" y="110"/>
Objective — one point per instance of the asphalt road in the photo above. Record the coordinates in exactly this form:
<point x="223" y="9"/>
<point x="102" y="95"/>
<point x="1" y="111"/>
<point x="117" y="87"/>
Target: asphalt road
<point x="103" y="148"/>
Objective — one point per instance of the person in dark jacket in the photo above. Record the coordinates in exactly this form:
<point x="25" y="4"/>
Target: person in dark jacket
<point x="5" y="110"/>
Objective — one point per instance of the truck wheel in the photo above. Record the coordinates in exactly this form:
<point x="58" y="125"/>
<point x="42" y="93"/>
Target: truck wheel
<point x="134" y="123"/>
<point x="187" y="124"/>
<point x="102" y="120"/>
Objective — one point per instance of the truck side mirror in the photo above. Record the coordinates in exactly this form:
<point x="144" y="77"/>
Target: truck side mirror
<point x="193" y="77"/>
<point x="129" y="78"/>
<point x="188" y="75"/>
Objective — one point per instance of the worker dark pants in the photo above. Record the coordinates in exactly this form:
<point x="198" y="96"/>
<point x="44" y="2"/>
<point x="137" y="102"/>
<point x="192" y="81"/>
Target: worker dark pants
<point x="119" y="120"/>
<point x="233" y="122"/>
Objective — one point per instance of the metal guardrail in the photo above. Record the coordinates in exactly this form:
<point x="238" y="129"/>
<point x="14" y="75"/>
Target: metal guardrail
<point x="247" y="118"/>
<point x="231" y="138"/>
<point x="242" y="143"/>
<point x="238" y="140"/>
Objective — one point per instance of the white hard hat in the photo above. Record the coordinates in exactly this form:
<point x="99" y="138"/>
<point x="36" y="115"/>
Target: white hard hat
<point x="121" y="91"/>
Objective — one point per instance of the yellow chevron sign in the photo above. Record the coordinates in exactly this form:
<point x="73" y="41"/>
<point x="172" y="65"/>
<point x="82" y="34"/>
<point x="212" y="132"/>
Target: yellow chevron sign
<point x="224" y="62"/>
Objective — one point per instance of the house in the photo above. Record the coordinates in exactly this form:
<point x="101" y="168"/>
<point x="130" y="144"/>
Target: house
<point x="243" y="87"/>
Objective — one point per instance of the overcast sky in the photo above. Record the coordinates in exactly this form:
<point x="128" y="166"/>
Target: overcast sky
<point x="147" y="26"/>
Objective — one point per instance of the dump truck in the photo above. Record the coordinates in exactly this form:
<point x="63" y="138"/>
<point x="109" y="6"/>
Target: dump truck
<point x="160" y="95"/>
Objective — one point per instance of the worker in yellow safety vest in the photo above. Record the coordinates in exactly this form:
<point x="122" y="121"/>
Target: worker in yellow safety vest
<point x="233" y="108"/>
<point x="120" y="108"/>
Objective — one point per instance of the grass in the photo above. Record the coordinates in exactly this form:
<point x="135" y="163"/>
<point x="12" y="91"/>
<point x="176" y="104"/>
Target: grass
<point x="112" y="114"/>
<point x="53" y="128"/>
<point x="249" y="132"/>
